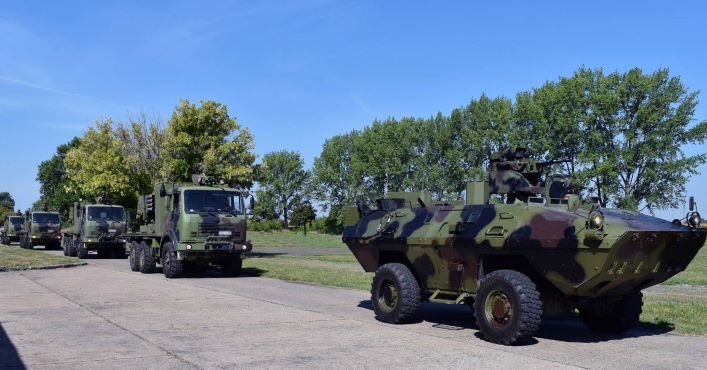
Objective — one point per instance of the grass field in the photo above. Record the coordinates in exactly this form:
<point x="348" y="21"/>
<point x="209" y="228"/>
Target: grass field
<point x="295" y="239"/>
<point x="683" y="311"/>
<point x="17" y="258"/>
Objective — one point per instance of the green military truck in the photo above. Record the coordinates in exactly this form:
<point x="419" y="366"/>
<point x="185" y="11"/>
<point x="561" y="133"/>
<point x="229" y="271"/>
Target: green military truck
<point x="95" y="227"/>
<point x="12" y="228"/>
<point x="187" y="227"/>
<point x="41" y="228"/>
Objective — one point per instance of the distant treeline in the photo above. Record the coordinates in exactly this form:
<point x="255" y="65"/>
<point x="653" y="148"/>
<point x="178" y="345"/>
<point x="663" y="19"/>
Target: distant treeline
<point x="623" y="135"/>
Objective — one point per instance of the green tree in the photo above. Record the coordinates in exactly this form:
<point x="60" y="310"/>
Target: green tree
<point x="265" y="207"/>
<point x="6" y="200"/>
<point x="284" y="178"/>
<point x="142" y="146"/>
<point x="97" y="167"/>
<point x="207" y="140"/>
<point x="54" y="188"/>
<point x="303" y="214"/>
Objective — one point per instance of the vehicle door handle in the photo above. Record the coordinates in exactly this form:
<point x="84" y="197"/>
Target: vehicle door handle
<point x="496" y="231"/>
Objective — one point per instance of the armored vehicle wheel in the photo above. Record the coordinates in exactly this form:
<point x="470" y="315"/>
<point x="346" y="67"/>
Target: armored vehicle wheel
<point x="134" y="257"/>
<point x="612" y="317"/>
<point x="507" y="307"/>
<point x="147" y="259"/>
<point x="232" y="267"/>
<point x="81" y="251"/>
<point x="171" y="266"/>
<point x="395" y="293"/>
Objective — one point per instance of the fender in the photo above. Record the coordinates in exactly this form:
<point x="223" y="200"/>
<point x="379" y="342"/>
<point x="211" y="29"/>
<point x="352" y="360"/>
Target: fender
<point x="171" y="236"/>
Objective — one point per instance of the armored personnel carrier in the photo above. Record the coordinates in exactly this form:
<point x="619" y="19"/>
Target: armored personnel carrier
<point x="12" y="228"/>
<point x="41" y="228"/>
<point x="188" y="227"/>
<point x="538" y="249"/>
<point x="95" y="227"/>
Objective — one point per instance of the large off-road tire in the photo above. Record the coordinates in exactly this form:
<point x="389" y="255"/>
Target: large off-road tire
<point x="612" y="316"/>
<point x="395" y="294"/>
<point x="81" y="250"/>
<point x="26" y="242"/>
<point x="507" y="307"/>
<point x="146" y="258"/>
<point x="73" y="248"/>
<point x="65" y="246"/>
<point x="232" y="267"/>
<point x="171" y="266"/>
<point x="134" y="257"/>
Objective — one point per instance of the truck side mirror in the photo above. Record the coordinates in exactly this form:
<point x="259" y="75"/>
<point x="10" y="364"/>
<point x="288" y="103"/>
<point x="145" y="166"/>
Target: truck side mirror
<point x="163" y="191"/>
<point x="252" y="203"/>
<point x="692" y="203"/>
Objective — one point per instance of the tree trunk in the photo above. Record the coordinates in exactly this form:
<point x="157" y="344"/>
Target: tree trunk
<point x="284" y="214"/>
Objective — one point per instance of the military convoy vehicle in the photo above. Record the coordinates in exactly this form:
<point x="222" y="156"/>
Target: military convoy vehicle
<point x="538" y="249"/>
<point x="41" y="228"/>
<point x="12" y="228"/>
<point x="95" y="227"/>
<point x="188" y="227"/>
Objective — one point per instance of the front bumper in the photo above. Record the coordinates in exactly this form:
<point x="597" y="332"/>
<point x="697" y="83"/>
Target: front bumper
<point x="213" y="249"/>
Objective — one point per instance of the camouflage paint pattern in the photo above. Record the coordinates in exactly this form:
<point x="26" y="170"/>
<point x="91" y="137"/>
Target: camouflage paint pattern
<point x="449" y="247"/>
<point x="13" y="226"/>
<point x="197" y="237"/>
<point x="95" y="233"/>
<point x="42" y="233"/>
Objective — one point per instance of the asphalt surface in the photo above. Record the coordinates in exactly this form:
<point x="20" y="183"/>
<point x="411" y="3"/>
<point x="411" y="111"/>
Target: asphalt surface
<point x="103" y="316"/>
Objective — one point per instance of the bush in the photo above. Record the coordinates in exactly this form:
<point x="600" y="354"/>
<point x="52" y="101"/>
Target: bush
<point x="265" y="225"/>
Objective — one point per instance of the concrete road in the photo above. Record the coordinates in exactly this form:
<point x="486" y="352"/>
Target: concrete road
<point x="104" y="316"/>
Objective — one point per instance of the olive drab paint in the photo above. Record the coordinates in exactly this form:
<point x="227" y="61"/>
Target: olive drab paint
<point x="572" y="250"/>
<point x="38" y="230"/>
<point x="85" y="233"/>
<point x="173" y="235"/>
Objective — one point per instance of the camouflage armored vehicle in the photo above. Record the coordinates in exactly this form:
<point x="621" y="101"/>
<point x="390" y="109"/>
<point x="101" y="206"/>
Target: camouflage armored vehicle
<point x="95" y="227"/>
<point x="187" y="227"/>
<point x="12" y="228"/>
<point x="541" y="250"/>
<point x="41" y="228"/>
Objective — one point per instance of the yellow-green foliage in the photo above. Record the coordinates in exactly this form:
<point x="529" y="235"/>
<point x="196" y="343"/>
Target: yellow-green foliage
<point x="97" y="166"/>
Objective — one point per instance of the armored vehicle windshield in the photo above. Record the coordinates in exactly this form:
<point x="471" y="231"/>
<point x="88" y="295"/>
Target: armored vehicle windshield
<point x="45" y="218"/>
<point x="204" y="201"/>
<point x="106" y="213"/>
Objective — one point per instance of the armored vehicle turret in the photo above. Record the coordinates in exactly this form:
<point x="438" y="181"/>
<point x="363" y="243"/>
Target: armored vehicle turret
<point x="41" y="228"/>
<point x="95" y="227"/>
<point x="12" y="228"/>
<point x="537" y="249"/>
<point x="188" y="227"/>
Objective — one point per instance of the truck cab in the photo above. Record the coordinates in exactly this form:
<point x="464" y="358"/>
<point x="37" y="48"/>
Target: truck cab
<point x="95" y="227"/>
<point x="41" y="228"/>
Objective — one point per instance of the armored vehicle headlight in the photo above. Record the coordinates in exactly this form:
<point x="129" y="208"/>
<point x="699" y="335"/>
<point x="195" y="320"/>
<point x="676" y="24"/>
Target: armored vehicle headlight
<point x="694" y="220"/>
<point x="596" y="219"/>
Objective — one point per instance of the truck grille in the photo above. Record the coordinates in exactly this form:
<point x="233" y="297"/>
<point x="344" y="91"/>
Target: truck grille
<point x="213" y="229"/>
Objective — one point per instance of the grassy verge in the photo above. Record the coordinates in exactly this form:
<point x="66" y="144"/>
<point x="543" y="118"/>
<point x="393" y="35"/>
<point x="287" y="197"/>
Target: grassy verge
<point x="294" y="239"/>
<point x="695" y="273"/>
<point x="684" y="313"/>
<point x="17" y="258"/>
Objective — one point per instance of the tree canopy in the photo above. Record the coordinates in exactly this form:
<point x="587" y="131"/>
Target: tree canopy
<point x="283" y="182"/>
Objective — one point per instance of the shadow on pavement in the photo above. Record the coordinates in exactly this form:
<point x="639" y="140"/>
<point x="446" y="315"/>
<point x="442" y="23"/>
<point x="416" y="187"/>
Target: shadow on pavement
<point x="265" y="254"/>
<point x="566" y="329"/>
<point x="9" y="358"/>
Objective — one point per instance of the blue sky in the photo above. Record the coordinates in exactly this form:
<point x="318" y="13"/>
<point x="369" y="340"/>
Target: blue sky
<point x="298" y="72"/>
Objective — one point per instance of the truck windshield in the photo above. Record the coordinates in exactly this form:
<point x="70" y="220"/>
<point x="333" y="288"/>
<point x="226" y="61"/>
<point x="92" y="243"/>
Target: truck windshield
<point x="16" y="220"/>
<point x="106" y="213"/>
<point x="202" y="201"/>
<point x="45" y="218"/>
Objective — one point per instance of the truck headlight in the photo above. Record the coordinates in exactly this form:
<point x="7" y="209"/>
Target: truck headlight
<point x="596" y="219"/>
<point x="694" y="219"/>
<point x="188" y="246"/>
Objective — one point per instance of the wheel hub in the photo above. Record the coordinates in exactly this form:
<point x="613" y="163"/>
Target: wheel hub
<point x="387" y="296"/>
<point x="498" y="308"/>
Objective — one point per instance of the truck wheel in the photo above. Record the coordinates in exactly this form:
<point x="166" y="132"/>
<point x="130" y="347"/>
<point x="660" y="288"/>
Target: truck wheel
<point x="395" y="293"/>
<point x="231" y="267"/>
<point x="612" y="317"/>
<point x="134" y="257"/>
<point x="72" y="248"/>
<point x="171" y="266"/>
<point x="147" y="258"/>
<point x="64" y="246"/>
<point x="81" y="251"/>
<point x="507" y="307"/>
